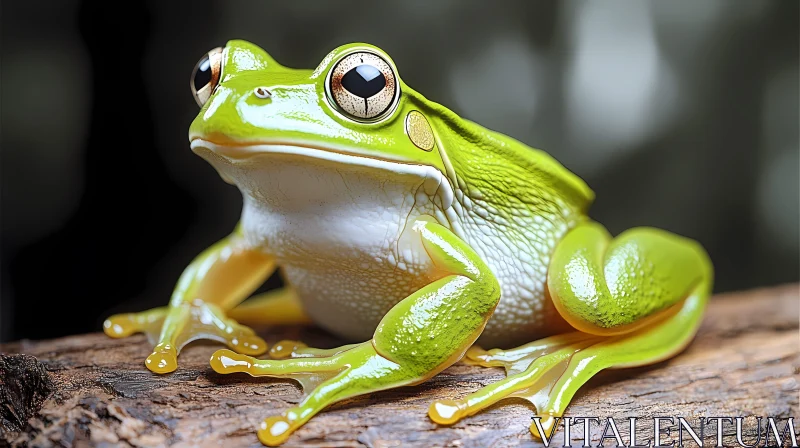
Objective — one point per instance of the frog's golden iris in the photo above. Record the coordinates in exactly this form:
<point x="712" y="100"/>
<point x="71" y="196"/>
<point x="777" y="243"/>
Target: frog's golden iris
<point x="363" y="86"/>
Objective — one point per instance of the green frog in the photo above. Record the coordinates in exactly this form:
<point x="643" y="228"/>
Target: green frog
<point x="417" y="235"/>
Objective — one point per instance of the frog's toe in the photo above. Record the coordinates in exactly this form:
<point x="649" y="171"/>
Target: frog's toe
<point x="164" y="359"/>
<point x="285" y="349"/>
<point x="120" y="326"/>
<point x="548" y="422"/>
<point x="296" y="349"/>
<point x="275" y="430"/>
<point x="446" y="412"/>
<point x="126" y="324"/>
<point x="227" y="361"/>
<point x="247" y="342"/>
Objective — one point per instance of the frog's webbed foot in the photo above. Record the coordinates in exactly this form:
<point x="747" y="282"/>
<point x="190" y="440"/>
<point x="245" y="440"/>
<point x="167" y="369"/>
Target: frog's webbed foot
<point x="353" y="370"/>
<point x="171" y="328"/>
<point x="543" y="362"/>
<point x="646" y="293"/>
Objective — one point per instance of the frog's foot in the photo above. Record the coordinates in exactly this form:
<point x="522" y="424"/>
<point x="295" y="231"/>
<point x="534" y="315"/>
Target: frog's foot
<point x="180" y="325"/>
<point x="296" y="349"/>
<point x="353" y="370"/>
<point x="558" y="370"/>
<point x="540" y="375"/>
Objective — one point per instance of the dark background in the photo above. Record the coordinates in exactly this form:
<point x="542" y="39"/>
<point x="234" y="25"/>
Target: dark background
<point x="681" y="115"/>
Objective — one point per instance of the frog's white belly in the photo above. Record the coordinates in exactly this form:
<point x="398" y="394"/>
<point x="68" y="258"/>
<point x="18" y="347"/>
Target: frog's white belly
<point x="342" y="239"/>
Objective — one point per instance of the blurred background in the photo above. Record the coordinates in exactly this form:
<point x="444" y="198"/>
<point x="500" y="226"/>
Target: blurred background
<point x="681" y="115"/>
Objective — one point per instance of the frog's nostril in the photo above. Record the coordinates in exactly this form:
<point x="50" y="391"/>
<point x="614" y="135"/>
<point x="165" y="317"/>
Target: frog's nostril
<point x="262" y="92"/>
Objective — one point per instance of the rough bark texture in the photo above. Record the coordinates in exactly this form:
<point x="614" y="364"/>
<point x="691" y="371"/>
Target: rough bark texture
<point x="744" y="361"/>
<point x="24" y="385"/>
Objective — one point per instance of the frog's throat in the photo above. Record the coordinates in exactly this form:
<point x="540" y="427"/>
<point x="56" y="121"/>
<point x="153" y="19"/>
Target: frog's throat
<point x="435" y="183"/>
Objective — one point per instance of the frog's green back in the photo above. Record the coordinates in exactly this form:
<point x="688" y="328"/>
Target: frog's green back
<point x="529" y="170"/>
<point x="496" y="168"/>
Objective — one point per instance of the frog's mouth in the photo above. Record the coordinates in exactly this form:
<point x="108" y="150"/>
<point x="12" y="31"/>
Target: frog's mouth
<point x="434" y="183"/>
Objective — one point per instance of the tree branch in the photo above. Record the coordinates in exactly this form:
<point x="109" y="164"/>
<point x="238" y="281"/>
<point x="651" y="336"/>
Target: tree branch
<point x="744" y="362"/>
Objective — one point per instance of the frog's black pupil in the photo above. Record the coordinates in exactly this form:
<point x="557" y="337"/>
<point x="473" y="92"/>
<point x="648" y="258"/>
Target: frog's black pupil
<point x="364" y="81"/>
<point x="202" y="75"/>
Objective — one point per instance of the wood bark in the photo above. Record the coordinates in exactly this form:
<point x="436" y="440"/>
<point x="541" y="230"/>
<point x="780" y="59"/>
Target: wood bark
<point x="91" y="390"/>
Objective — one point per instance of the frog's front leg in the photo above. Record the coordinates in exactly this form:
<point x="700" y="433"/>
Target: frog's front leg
<point x="637" y="299"/>
<point x="215" y="282"/>
<point x="422" y="335"/>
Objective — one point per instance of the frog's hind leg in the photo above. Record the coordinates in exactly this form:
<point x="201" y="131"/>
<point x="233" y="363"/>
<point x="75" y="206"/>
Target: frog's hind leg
<point x="637" y="300"/>
<point x="642" y="347"/>
<point x="551" y="380"/>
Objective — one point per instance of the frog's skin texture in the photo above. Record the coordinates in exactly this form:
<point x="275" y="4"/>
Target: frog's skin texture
<point x="415" y="234"/>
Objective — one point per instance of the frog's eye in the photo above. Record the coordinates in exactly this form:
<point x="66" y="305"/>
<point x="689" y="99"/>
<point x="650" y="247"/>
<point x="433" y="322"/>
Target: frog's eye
<point x="205" y="76"/>
<point x="363" y="86"/>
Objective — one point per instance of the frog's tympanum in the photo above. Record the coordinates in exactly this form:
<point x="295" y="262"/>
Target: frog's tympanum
<point x="417" y="235"/>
